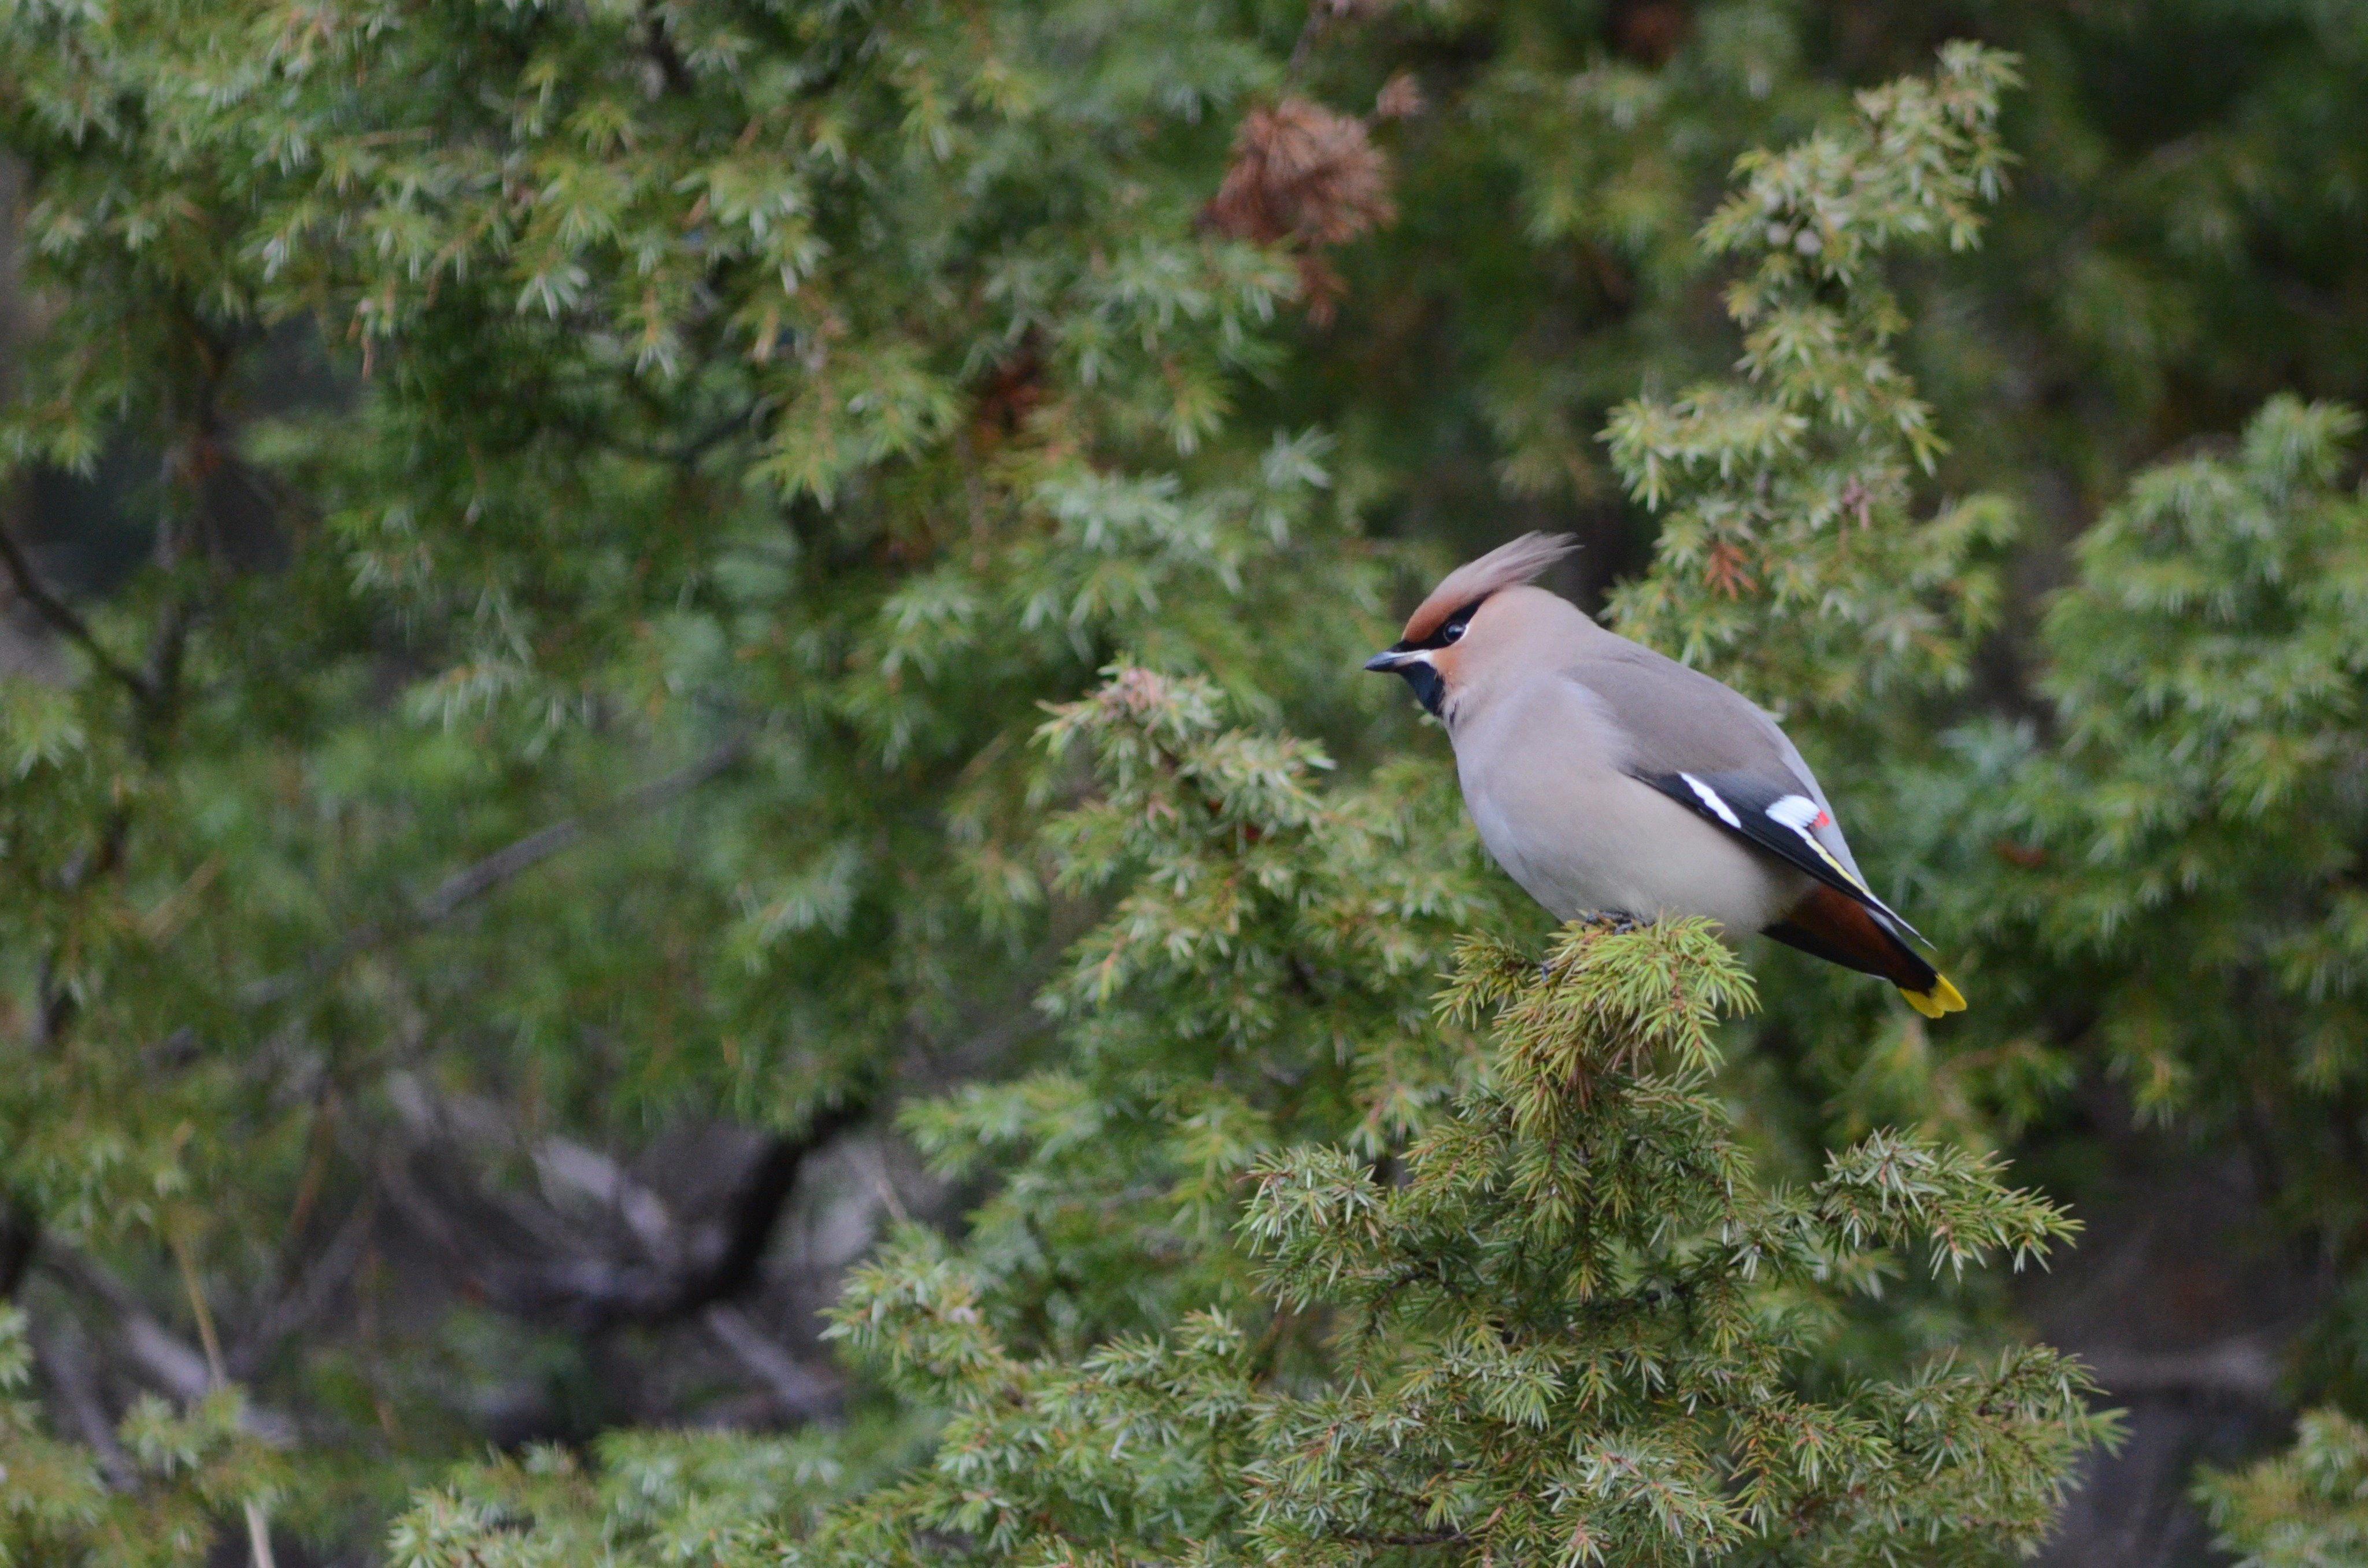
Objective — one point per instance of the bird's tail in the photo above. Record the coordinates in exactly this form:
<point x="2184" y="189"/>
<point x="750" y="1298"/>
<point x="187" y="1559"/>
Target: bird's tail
<point x="1937" y="1000"/>
<point x="1837" y="928"/>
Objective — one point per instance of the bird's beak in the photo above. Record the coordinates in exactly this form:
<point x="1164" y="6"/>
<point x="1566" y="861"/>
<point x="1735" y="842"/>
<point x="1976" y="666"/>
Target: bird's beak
<point x="1412" y="665"/>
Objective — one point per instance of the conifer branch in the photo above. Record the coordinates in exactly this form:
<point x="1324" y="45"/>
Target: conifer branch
<point x="475" y="882"/>
<point x="63" y="620"/>
<point x="166" y="1360"/>
<point x="649" y="1266"/>
<point x="66" y="1361"/>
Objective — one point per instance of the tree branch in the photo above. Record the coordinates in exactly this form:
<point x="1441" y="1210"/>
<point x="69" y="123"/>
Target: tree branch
<point x="61" y="617"/>
<point x="169" y="1361"/>
<point x="2242" y="1367"/>
<point x="65" y="1362"/>
<point x="796" y="1387"/>
<point x="311" y="1295"/>
<point x="472" y="882"/>
<point x="530" y="1260"/>
<point x="20" y="1238"/>
<point x="659" y="46"/>
<point x="161" y="679"/>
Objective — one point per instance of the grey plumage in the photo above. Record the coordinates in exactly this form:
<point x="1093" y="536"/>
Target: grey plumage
<point x="1606" y="779"/>
<point x="1554" y="756"/>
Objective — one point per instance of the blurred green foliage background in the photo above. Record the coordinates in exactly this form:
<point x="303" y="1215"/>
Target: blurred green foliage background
<point x="540" y="539"/>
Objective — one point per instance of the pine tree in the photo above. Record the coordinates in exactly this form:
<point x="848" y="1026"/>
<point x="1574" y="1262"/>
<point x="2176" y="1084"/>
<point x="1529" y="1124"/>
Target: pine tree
<point x="2298" y="1509"/>
<point x="1787" y="494"/>
<point x="1804" y="555"/>
<point x="1102" y="1335"/>
<point x="601" y="702"/>
<point x="1573" y="1321"/>
<point x="1569" y="1322"/>
<point x="154" y="1495"/>
<point x="745" y="421"/>
<point x="2176" y="866"/>
<point x="2206" y="676"/>
<point x="1567" y="1330"/>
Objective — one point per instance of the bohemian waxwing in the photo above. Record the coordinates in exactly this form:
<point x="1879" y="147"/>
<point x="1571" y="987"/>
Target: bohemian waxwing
<point x="1607" y="779"/>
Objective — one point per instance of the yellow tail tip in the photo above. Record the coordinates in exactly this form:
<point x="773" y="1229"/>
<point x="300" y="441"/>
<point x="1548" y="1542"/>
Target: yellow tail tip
<point x="1940" y="1000"/>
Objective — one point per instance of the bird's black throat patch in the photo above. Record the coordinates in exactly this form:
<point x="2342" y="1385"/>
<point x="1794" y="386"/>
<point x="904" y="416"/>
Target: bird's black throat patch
<point x="1429" y="687"/>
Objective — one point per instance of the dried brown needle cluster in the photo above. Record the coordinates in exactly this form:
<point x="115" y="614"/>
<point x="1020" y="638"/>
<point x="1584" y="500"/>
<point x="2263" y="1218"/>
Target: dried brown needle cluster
<point x="1307" y="175"/>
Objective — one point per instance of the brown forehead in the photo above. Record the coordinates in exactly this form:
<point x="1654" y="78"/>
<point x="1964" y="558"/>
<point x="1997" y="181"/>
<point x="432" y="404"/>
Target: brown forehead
<point x="1432" y="613"/>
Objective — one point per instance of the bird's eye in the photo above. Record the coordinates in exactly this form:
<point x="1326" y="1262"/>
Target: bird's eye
<point x="1451" y="632"/>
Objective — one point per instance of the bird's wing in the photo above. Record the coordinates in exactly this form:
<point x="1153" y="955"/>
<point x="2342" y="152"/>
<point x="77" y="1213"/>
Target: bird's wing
<point x="1708" y="747"/>
<point x="1778" y="818"/>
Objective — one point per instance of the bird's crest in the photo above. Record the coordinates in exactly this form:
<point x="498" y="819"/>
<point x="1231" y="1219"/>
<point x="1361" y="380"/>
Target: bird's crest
<point x="1518" y="561"/>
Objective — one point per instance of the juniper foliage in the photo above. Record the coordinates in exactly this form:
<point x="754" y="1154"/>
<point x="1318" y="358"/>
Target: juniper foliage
<point x="2205" y="800"/>
<point x="2176" y="864"/>
<point x="744" y="420"/>
<point x="2303" y="1508"/>
<point x="2179" y="869"/>
<point x="1786" y="493"/>
<point x="1566" y="1328"/>
<point x="1803" y="554"/>
<point x="729" y="424"/>
<point x="153" y="1494"/>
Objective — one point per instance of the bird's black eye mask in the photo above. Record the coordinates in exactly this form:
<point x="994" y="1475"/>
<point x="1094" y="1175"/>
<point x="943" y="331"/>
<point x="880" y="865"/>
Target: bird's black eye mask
<point x="1429" y="687"/>
<point x="1449" y="630"/>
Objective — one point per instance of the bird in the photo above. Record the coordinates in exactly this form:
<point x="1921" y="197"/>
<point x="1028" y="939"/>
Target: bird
<point x="1609" y="780"/>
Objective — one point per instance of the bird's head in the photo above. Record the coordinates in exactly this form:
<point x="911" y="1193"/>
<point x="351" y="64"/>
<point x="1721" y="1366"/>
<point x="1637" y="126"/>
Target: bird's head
<point x="1470" y="621"/>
